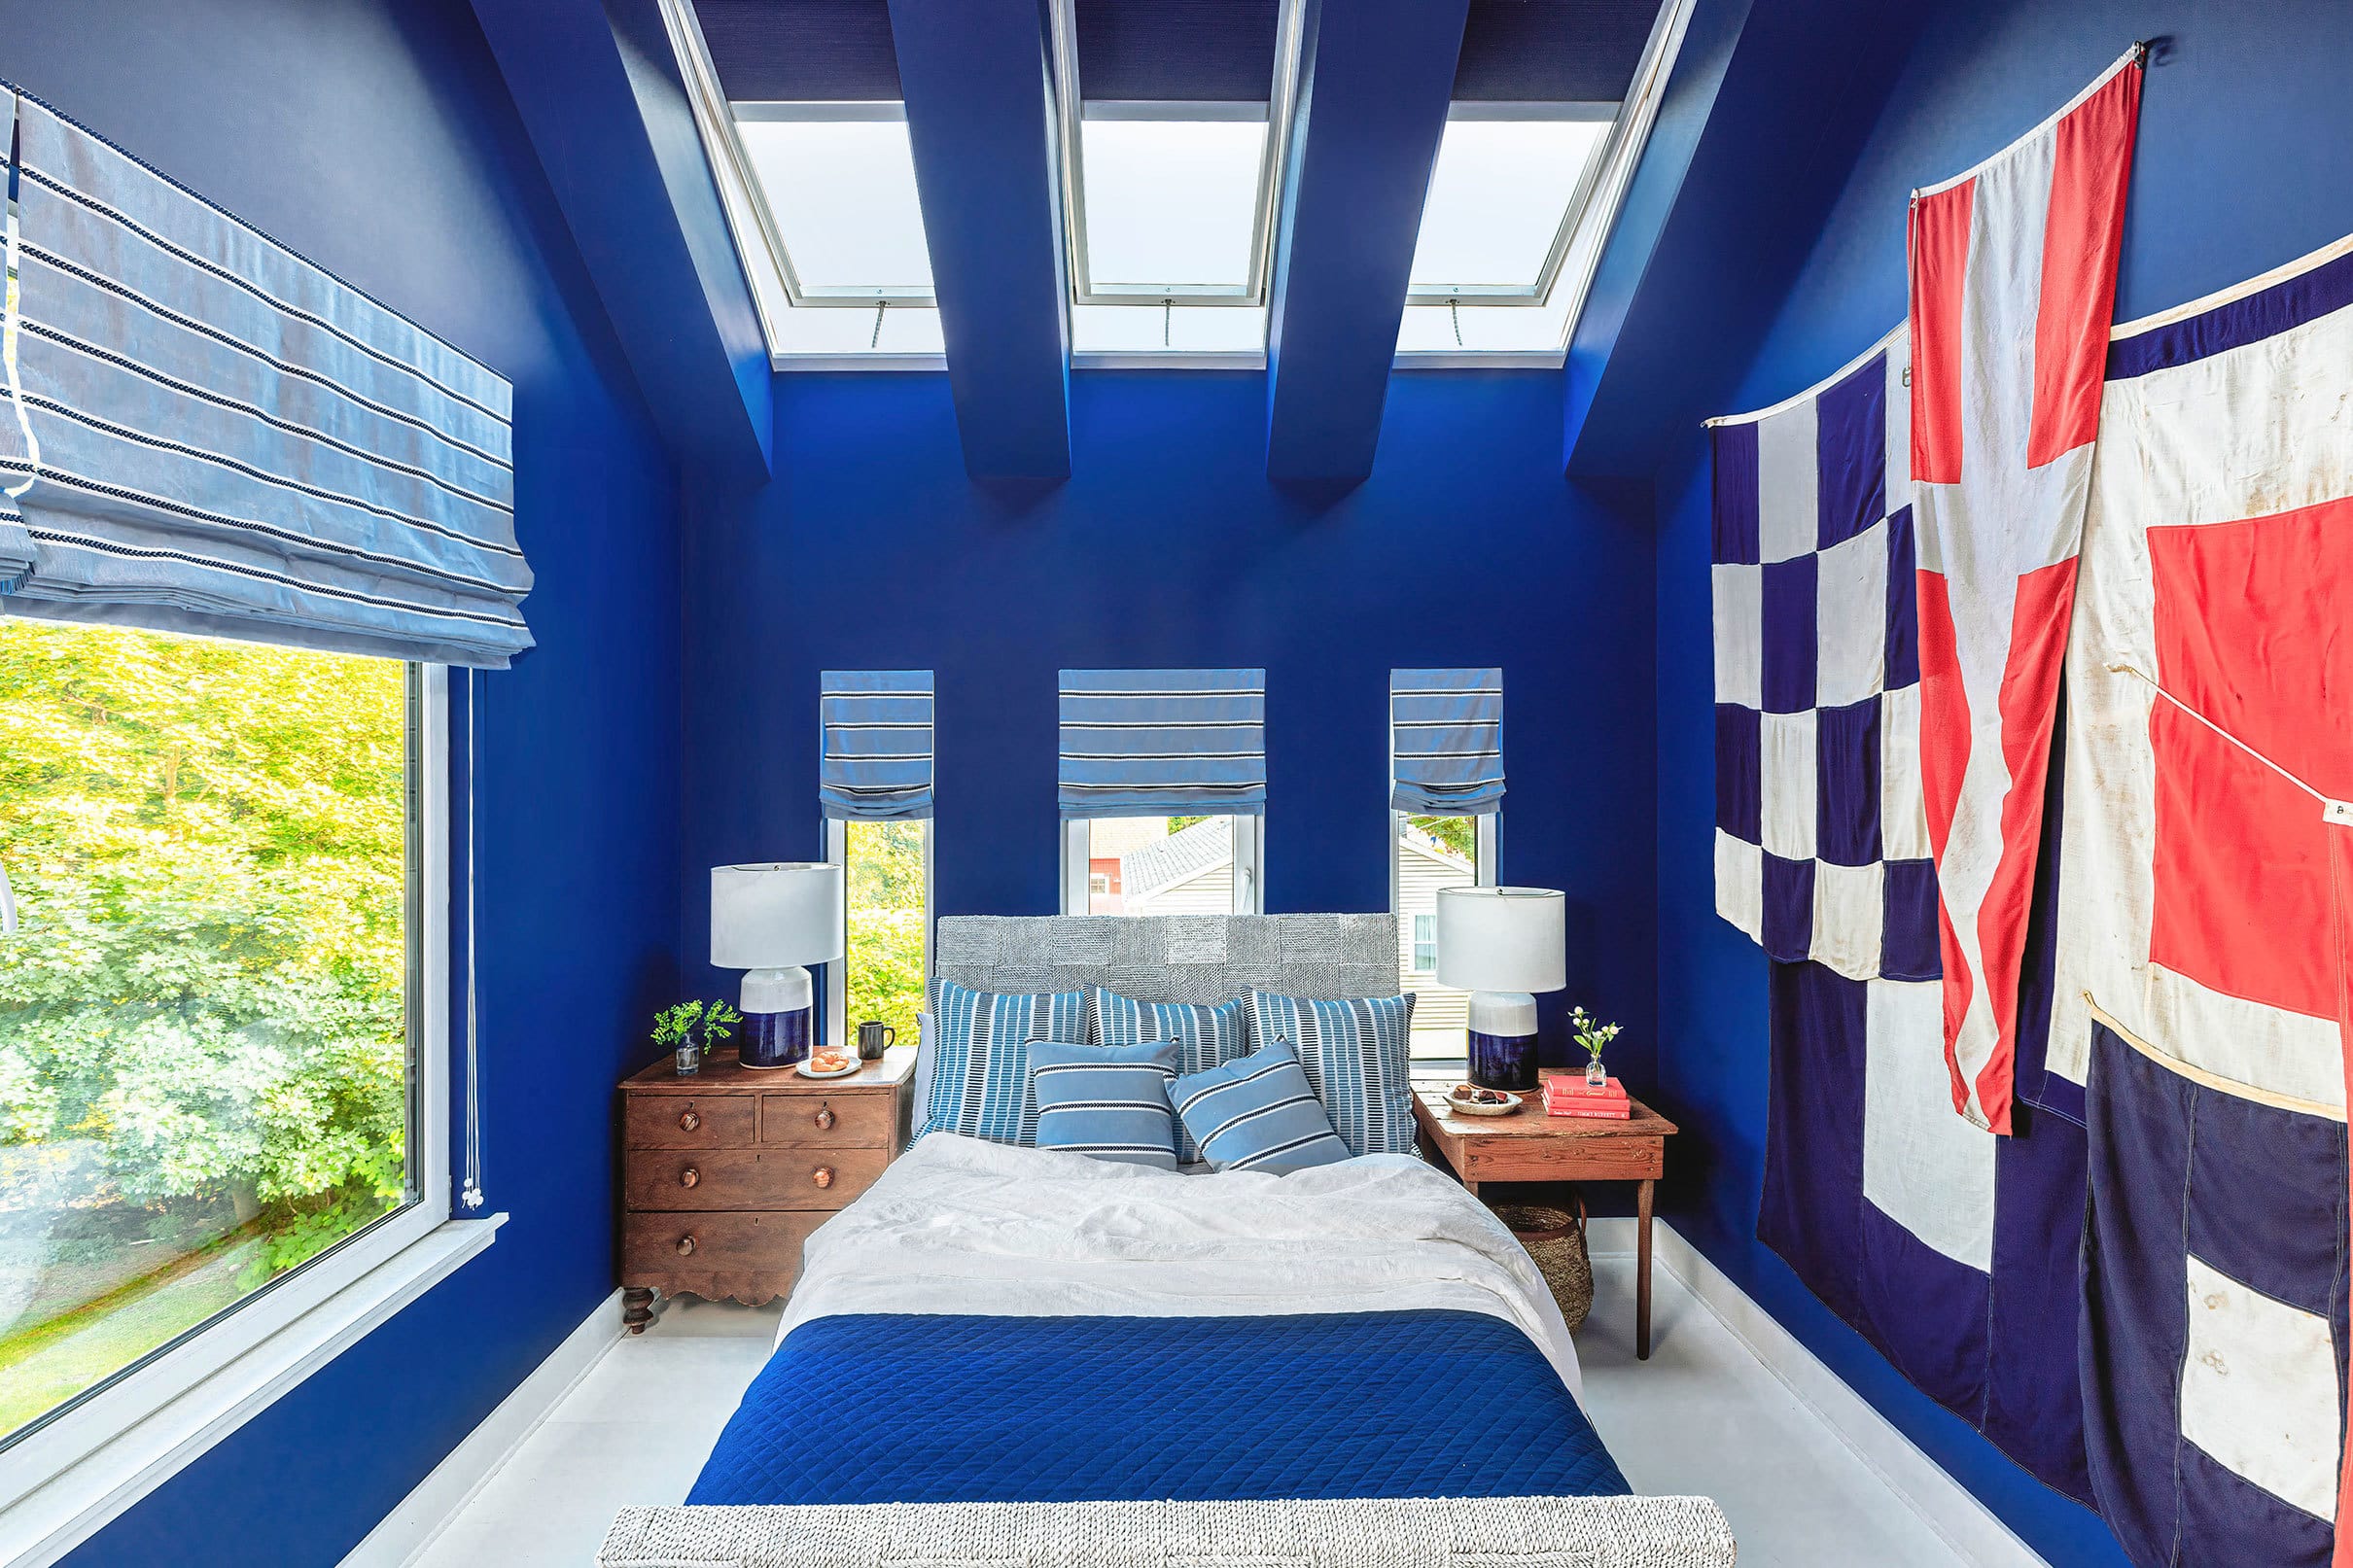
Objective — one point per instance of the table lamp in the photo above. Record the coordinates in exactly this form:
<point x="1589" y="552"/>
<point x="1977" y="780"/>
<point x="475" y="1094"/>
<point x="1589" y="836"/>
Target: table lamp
<point x="1502" y="945"/>
<point x="769" y="920"/>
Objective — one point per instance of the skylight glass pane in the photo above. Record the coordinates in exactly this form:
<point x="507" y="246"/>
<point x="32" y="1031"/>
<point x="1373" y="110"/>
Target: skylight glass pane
<point x="1170" y="203"/>
<point x="842" y="195"/>
<point x="1496" y="199"/>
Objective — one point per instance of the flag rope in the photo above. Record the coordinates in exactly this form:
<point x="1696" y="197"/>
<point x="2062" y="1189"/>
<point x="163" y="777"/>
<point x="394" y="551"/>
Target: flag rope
<point x="2333" y="809"/>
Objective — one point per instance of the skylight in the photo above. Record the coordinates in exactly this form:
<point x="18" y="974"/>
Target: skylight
<point x="1171" y="204"/>
<point x="839" y="184"/>
<point x="1501" y="203"/>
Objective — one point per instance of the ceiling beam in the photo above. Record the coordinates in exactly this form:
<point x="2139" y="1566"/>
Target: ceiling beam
<point x="1375" y="77"/>
<point x="980" y="121"/>
<point x="601" y="97"/>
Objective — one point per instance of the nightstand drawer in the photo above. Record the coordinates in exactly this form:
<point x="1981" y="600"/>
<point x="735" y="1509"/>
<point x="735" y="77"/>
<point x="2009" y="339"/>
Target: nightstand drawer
<point x="831" y="1121"/>
<point x="691" y="1121"/>
<point x="1596" y="1158"/>
<point x="783" y="1178"/>
<point x="753" y="1257"/>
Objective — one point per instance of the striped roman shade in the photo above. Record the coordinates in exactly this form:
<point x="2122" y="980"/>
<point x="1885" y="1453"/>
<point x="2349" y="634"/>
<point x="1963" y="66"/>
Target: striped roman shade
<point x="874" y="753"/>
<point x="209" y="434"/>
<point x="1163" y="743"/>
<point x="1446" y="742"/>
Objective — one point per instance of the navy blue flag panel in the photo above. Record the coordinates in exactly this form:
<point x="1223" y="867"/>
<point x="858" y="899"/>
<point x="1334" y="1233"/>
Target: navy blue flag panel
<point x="1821" y="842"/>
<point x="2213" y="1325"/>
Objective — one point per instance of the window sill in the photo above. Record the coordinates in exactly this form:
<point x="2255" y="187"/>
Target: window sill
<point x="66" y="1481"/>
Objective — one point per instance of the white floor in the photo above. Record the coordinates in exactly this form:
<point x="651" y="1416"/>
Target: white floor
<point x="1702" y="1416"/>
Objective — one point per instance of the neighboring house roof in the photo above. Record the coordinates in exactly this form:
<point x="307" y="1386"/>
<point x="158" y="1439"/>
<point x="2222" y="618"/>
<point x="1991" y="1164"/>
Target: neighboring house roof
<point x="1166" y="861"/>
<point x="1423" y="845"/>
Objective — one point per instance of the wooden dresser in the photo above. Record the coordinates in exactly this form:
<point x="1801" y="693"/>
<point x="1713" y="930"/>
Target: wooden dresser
<point x="726" y="1173"/>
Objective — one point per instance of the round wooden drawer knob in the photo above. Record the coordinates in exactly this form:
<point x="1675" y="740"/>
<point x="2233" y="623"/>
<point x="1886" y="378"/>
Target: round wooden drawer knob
<point x="688" y="1119"/>
<point x="825" y="1118"/>
<point x="822" y="1175"/>
<point x="690" y="1177"/>
<point x="685" y="1245"/>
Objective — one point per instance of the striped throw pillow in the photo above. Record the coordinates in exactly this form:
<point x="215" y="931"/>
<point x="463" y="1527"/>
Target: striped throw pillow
<point x="1109" y="1102"/>
<point x="980" y="1069"/>
<point x="1355" y="1055"/>
<point x="1207" y="1036"/>
<point x="1257" y="1113"/>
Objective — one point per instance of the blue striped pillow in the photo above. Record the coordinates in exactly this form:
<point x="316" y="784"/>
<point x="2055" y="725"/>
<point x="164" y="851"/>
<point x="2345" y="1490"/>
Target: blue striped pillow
<point x="1206" y="1035"/>
<point x="1257" y="1113"/>
<point x="1111" y="1101"/>
<point x="980" y="1069"/>
<point x="1356" y="1057"/>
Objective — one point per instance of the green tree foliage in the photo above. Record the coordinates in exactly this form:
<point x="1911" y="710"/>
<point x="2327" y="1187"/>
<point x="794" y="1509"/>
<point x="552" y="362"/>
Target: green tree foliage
<point x="1460" y="834"/>
<point x="206" y="841"/>
<point x="886" y="889"/>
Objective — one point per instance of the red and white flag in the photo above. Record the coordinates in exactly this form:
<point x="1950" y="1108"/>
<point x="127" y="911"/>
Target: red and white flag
<point x="2013" y="275"/>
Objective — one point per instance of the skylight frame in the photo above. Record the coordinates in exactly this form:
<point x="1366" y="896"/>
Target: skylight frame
<point x="798" y="294"/>
<point x="1070" y="112"/>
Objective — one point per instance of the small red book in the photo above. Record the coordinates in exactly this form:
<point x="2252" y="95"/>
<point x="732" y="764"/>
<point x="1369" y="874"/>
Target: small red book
<point x="1578" y="1089"/>
<point x="1593" y="1113"/>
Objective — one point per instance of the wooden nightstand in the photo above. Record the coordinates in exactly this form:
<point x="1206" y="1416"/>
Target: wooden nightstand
<point x="726" y="1173"/>
<point x="1528" y="1146"/>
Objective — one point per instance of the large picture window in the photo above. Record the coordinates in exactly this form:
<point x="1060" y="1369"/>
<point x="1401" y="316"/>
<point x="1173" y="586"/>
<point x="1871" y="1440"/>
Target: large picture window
<point x="209" y="1004"/>
<point x="1428" y="853"/>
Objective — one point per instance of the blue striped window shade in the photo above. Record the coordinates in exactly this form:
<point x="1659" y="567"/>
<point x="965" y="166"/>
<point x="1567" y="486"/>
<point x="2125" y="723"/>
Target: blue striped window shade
<point x="209" y="434"/>
<point x="1446" y="742"/>
<point x="1163" y="743"/>
<point x="874" y="756"/>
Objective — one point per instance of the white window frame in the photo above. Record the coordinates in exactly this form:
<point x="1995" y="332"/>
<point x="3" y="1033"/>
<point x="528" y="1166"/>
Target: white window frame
<point x="64" y="1480"/>
<point x="1417" y="943"/>
<point x="1250" y="847"/>
<point x="837" y="973"/>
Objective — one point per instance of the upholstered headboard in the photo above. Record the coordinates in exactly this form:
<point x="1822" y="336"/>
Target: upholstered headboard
<point x="1170" y="958"/>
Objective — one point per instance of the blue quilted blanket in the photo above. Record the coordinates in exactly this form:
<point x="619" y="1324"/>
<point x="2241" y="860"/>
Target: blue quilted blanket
<point x="917" y="1408"/>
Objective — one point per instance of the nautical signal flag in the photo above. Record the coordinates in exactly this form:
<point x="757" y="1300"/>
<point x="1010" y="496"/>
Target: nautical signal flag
<point x="2013" y="272"/>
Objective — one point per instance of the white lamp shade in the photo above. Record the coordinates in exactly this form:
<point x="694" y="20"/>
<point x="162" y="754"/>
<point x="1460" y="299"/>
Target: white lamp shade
<point x="777" y="916"/>
<point x="1502" y="938"/>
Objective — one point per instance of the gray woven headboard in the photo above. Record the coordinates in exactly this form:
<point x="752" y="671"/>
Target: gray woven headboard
<point x="1170" y="958"/>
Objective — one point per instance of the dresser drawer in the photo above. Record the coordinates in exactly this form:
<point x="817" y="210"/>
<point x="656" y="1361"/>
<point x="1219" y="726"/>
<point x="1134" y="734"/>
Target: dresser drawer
<point x="843" y="1120"/>
<point x="780" y="1177"/>
<point x="692" y="1122"/>
<point x="751" y="1256"/>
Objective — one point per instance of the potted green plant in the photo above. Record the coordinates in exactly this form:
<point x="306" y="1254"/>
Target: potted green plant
<point x="691" y="1029"/>
<point x="1592" y="1033"/>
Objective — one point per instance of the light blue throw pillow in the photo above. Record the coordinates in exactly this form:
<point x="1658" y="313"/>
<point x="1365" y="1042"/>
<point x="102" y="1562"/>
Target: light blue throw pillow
<point x="1257" y="1113"/>
<point x="1206" y="1037"/>
<point x="980" y="1069"/>
<point x="1109" y="1102"/>
<point x="1357" y="1059"/>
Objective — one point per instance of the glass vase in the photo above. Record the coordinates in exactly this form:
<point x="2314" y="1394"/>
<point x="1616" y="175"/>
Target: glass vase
<point x="1597" y="1076"/>
<point x="689" y="1060"/>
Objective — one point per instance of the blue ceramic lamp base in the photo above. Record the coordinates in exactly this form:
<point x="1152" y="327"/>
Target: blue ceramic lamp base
<point x="1502" y="1049"/>
<point x="777" y="1008"/>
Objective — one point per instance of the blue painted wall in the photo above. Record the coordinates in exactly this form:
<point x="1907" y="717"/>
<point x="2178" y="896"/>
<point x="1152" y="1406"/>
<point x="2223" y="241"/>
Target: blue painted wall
<point x="1167" y="546"/>
<point x="377" y="137"/>
<point x="2245" y="162"/>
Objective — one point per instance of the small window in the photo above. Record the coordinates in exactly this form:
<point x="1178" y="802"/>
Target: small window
<point x="1426" y="855"/>
<point x="1162" y="866"/>
<point x="887" y="887"/>
<point x="209" y="1010"/>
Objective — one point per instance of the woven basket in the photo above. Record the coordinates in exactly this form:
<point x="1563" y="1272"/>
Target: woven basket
<point x="1556" y="1240"/>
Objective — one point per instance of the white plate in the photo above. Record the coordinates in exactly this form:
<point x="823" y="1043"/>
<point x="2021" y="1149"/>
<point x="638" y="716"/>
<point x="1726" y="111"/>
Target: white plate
<point x="802" y="1067"/>
<point x="1465" y="1108"/>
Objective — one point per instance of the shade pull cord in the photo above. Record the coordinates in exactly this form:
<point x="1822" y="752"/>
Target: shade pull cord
<point x="11" y="318"/>
<point x="470" y="1193"/>
<point x="2337" y="813"/>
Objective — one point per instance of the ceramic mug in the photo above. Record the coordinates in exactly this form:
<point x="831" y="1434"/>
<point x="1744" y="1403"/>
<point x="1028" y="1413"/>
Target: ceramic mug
<point x="873" y="1039"/>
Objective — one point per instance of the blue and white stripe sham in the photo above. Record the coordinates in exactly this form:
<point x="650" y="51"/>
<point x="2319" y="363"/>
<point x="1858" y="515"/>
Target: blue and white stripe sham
<point x="1356" y="1057"/>
<point x="1206" y="1037"/>
<point x="1257" y="1113"/>
<point x="980" y="1072"/>
<point x="1108" y="1101"/>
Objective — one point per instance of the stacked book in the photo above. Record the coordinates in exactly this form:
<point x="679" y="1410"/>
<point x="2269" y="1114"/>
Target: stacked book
<point x="1574" y="1097"/>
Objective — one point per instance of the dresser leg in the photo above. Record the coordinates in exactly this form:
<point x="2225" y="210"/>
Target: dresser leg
<point x="1642" y="1274"/>
<point x="636" y="1309"/>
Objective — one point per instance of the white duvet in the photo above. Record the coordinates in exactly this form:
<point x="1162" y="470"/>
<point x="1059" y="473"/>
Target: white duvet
<point x="958" y="1225"/>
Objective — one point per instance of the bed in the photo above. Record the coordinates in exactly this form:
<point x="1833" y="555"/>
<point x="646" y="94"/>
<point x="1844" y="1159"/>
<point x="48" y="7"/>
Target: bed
<point x="1018" y="1355"/>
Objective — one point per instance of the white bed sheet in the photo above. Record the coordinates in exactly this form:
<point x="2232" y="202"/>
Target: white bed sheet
<point x="958" y="1225"/>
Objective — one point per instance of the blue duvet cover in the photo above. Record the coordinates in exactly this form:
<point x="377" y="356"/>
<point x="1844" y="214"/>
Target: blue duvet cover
<point x="922" y="1408"/>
